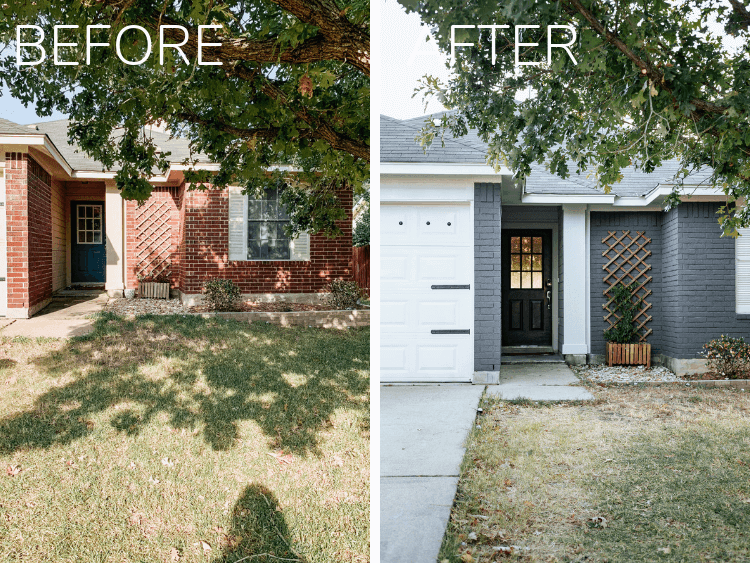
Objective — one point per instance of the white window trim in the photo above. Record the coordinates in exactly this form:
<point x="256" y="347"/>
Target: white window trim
<point x="101" y="226"/>
<point x="303" y="240"/>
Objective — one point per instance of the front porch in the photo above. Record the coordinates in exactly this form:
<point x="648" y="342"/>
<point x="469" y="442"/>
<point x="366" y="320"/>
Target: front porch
<point x="60" y="233"/>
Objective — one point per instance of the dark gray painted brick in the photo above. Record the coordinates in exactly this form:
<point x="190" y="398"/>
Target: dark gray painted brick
<point x="487" y="280"/>
<point x="693" y="270"/>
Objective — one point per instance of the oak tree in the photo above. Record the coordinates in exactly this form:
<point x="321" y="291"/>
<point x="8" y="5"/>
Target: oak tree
<point x="289" y="103"/>
<point x="653" y="81"/>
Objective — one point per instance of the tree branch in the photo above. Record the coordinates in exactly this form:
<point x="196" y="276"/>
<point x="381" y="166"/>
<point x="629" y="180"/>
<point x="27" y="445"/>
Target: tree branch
<point x="703" y="107"/>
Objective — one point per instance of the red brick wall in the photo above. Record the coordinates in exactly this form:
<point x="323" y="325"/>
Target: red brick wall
<point x="18" y="230"/>
<point x="29" y="223"/>
<point x="199" y="243"/>
<point x="206" y="247"/>
<point x="40" y="233"/>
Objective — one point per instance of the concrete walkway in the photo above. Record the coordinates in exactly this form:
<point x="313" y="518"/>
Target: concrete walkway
<point x="539" y="382"/>
<point x="422" y="433"/>
<point x="65" y="317"/>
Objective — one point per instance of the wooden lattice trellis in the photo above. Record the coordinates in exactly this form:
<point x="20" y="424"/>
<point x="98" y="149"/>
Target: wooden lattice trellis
<point x="626" y="262"/>
<point x="153" y="246"/>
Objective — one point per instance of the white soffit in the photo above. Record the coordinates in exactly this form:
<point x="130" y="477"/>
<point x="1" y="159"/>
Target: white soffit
<point x="442" y="169"/>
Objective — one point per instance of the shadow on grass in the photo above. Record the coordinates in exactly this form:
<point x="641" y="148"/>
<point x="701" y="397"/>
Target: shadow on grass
<point x="260" y="529"/>
<point x="204" y="373"/>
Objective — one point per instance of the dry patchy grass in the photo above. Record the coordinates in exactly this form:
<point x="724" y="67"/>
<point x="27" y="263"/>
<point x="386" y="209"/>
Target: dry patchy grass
<point x="642" y="474"/>
<point x="184" y="439"/>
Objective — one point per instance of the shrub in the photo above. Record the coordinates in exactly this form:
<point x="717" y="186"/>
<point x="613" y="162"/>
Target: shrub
<point x="361" y="234"/>
<point x="221" y="295"/>
<point x="344" y="294"/>
<point x="624" y="330"/>
<point x="727" y="356"/>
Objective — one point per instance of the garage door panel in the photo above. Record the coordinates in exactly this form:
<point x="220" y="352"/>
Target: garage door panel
<point x="415" y="312"/>
<point x="415" y="266"/>
<point x="426" y="359"/>
<point x="401" y="224"/>
<point x="414" y="257"/>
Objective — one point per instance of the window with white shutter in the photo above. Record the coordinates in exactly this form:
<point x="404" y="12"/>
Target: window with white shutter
<point x="742" y="271"/>
<point x="256" y="229"/>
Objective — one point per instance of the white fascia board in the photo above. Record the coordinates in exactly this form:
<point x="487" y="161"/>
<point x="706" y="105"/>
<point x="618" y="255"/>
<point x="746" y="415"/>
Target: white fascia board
<point x="440" y="169"/>
<point x="22" y="139"/>
<point x="568" y="198"/>
<point x="210" y="166"/>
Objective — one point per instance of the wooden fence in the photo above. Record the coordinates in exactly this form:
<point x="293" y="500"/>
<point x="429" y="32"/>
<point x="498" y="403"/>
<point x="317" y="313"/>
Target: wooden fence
<point x="361" y="259"/>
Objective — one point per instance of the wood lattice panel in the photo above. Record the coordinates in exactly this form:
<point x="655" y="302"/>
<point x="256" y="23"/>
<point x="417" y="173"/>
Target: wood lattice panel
<point x="626" y="256"/>
<point x="154" y="239"/>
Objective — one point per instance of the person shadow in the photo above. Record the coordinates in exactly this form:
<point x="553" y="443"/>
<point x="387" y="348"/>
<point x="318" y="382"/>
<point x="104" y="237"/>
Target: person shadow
<point x="259" y="532"/>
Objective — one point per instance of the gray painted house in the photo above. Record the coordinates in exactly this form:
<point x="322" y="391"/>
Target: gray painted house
<point x="475" y="264"/>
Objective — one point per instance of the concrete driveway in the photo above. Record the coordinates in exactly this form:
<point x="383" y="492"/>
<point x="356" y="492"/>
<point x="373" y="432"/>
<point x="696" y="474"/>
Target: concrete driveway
<point x="423" y="429"/>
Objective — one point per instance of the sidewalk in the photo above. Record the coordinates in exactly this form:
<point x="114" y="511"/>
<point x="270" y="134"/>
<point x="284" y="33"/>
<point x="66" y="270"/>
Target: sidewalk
<point x="65" y="317"/>
<point x="422" y="433"/>
<point x="422" y="429"/>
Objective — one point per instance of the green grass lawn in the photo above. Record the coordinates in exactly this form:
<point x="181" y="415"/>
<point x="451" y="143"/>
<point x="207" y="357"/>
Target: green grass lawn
<point x="175" y="438"/>
<point x="642" y="474"/>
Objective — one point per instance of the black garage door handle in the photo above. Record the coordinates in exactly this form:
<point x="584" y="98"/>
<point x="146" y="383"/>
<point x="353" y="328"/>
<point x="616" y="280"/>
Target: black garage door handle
<point x="463" y="331"/>
<point x="451" y="287"/>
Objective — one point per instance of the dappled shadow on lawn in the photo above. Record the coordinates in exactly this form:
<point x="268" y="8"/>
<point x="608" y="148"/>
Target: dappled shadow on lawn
<point x="259" y="530"/>
<point x="206" y="374"/>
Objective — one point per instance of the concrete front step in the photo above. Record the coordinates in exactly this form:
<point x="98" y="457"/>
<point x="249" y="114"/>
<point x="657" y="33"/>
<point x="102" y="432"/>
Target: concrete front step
<point x="532" y="359"/>
<point x="550" y="381"/>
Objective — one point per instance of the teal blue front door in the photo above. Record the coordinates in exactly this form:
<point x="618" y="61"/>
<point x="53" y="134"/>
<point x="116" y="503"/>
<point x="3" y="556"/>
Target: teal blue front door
<point x="88" y="249"/>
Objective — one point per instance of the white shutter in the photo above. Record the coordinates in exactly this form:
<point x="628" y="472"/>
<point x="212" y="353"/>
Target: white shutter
<point x="237" y="224"/>
<point x="742" y="271"/>
<point x="301" y="247"/>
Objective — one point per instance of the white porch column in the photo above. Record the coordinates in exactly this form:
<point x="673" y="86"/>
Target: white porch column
<point x="114" y="219"/>
<point x="575" y="280"/>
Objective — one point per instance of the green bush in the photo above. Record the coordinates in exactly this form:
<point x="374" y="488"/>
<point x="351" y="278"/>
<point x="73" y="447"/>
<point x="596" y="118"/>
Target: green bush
<point x="221" y="295"/>
<point x="361" y="234"/>
<point x="624" y="330"/>
<point x="344" y="294"/>
<point x="727" y="356"/>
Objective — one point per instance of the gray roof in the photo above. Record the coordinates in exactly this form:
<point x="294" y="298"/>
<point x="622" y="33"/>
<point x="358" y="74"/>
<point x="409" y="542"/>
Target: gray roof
<point x="57" y="132"/>
<point x="10" y="128"/>
<point x="397" y="144"/>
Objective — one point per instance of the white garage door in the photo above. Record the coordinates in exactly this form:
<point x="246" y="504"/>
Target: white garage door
<point x="427" y="294"/>
<point x="3" y="251"/>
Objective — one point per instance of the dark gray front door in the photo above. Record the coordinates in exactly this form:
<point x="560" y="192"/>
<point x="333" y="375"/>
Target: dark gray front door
<point x="527" y="287"/>
<point x="88" y="248"/>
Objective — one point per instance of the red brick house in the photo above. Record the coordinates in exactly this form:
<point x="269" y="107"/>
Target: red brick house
<point x="63" y="223"/>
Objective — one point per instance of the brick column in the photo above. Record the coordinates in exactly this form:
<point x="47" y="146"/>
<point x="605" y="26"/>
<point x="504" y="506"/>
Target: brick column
<point x="17" y="220"/>
<point x="29" y="220"/>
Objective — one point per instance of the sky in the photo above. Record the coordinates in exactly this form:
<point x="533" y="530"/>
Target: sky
<point x="406" y="57"/>
<point x="13" y="110"/>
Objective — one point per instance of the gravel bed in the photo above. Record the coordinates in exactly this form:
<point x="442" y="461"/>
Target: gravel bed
<point x="128" y="307"/>
<point x="138" y="306"/>
<point x="624" y="374"/>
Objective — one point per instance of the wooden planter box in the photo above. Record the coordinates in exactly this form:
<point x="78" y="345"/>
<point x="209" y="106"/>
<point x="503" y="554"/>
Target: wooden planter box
<point x="629" y="354"/>
<point x="153" y="290"/>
